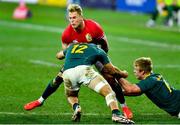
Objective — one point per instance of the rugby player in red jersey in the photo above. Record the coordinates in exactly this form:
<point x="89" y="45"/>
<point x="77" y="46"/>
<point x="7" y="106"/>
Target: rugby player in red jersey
<point x="83" y="31"/>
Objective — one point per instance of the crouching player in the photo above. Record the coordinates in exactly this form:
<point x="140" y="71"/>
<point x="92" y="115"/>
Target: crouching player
<point x="78" y="70"/>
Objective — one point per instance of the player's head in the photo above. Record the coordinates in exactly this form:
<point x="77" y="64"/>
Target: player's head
<point x="142" y="67"/>
<point x="75" y="15"/>
<point x="75" y="8"/>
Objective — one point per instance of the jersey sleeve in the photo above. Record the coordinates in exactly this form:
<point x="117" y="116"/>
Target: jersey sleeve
<point x="100" y="37"/>
<point x="64" y="52"/>
<point x="103" y="58"/>
<point x="98" y="31"/>
<point x="146" y="84"/>
<point x="65" y="36"/>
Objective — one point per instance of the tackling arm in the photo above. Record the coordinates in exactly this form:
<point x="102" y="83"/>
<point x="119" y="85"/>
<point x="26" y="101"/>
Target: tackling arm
<point x="129" y="89"/>
<point x="114" y="71"/>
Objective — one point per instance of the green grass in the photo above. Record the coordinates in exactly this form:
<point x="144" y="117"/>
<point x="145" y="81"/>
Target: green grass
<point x="22" y="81"/>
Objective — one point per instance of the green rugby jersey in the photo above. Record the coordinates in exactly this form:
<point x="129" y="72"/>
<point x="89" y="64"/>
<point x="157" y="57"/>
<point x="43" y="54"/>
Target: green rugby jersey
<point x="84" y="54"/>
<point x="161" y="93"/>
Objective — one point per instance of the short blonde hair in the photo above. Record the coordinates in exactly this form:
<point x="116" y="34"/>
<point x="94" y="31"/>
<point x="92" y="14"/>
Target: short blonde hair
<point x="75" y="8"/>
<point x="144" y="64"/>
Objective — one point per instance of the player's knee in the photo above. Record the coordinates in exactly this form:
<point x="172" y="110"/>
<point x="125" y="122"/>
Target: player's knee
<point x="98" y="88"/>
<point x="71" y="93"/>
<point x="111" y="97"/>
<point x="57" y="81"/>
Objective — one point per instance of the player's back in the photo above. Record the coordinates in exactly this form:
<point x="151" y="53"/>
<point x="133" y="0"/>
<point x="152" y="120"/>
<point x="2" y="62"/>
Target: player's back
<point x="81" y="54"/>
<point x="161" y="93"/>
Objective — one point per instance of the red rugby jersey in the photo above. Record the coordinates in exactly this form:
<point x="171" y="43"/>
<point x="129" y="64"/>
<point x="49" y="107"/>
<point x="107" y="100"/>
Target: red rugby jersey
<point x="91" y="32"/>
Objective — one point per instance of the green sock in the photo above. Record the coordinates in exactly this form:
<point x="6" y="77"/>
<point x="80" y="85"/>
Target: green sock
<point x="116" y="111"/>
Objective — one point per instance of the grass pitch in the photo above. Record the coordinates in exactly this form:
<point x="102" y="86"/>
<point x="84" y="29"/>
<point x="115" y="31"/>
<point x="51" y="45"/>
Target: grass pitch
<point x="28" y="63"/>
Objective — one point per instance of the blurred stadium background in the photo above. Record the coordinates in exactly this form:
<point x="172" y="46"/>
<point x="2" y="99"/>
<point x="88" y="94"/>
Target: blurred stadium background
<point x="27" y="59"/>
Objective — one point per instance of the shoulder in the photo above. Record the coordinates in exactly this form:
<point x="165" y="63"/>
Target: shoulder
<point x="154" y="77"/>
<point x="92" y="23"/>
<point x="148" y="83"/>
<point x="151" y="79"/>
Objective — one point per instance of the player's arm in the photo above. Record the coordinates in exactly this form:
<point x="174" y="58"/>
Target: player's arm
<point x="100" y="38"/>
<point x="65" y="39"/>
<point x="64" y="42"/>
<point x="108" y="68"/>
<point x="60" y="55"/>
<point x="129" y="89"/>
<point x="64" y="46"/>
<point x="103" y="43"/>
<point x="114" y="71"/>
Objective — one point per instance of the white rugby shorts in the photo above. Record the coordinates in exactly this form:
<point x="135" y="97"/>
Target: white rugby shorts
<point x="74" y="77"/>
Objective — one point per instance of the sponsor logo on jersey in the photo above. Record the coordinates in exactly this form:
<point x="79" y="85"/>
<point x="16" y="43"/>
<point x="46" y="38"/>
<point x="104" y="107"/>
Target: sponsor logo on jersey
<point x="88" y="37"/>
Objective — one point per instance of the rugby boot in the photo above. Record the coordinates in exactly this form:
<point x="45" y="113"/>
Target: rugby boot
<point x="32" y="105"/>
<point x="127" y="112"/>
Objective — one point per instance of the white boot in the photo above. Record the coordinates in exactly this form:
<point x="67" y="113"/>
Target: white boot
<point x="150" y="23"/>
<point x="170" y="22"/>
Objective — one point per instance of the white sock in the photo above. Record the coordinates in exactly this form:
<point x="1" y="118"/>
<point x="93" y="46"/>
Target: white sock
<point x="123" y="105"/>
<point x="41" y="99"/>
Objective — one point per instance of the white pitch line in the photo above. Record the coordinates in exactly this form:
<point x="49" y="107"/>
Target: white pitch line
<point x="51" y="114"/>
<point x="146" y="43"/>
<point x="31" y="26"/>
<point x="50" y="64"/>
<point x="118" y="38"/>
<point x="66" y="114"/>
<point x="40" y="62"/>
<point x="167" y="66"/>
<point x="165" y="28"/>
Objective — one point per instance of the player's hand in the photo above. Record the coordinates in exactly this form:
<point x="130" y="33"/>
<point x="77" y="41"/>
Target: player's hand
<point x="124" y="74"/>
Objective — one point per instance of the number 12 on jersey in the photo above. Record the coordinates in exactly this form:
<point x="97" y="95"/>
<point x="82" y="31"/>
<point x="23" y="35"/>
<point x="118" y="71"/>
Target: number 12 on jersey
<point x="79" y="48"/>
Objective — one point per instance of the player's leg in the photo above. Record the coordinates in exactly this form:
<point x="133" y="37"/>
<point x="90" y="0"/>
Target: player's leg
<point x="101" y="86"/>
<point x="168" y="21"/>
<point x="158" y="10"/>
<point x="110" y="79"/>
<point x="51" y="88"/>
<point x="72" y="97"/>
<point x="116" y="88"/>
<point x="71" y="78"/>
<point x="178" y="17"/>
<point x="120" y="96"/>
